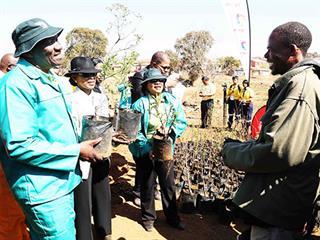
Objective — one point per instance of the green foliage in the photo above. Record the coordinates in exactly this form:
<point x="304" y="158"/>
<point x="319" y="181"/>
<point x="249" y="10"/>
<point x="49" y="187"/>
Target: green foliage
<point x="119" y="68"/>
<point x="121" y="56"/>
<point x="85" y="42"/>
<point x="192" y="50"/>
<point x="228" y="64"/>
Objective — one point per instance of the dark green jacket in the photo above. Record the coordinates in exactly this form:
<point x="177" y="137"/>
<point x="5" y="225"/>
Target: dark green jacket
<point x="282" y="166"/>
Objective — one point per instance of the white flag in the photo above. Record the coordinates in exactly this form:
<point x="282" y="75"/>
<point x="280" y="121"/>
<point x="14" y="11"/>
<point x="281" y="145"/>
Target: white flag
<point x="238" y="15"/>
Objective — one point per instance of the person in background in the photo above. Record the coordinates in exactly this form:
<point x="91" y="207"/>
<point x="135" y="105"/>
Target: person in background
<point x="176" y="87"/>
<point x="233" y="100"/>
<point x="12" y="219"/>
<point x="39" y="144"/>
<point x="281" y="182"/>
<point x="246" y="96"/>
<point x="98" y="63"/>
<point x="161" y="61"/>
<point x="7" y="62"/>
<point x="206" y="93"/>
<point x="132" y="92"/>
<point x="92" y="196"/>
<point x="156" y="106"/>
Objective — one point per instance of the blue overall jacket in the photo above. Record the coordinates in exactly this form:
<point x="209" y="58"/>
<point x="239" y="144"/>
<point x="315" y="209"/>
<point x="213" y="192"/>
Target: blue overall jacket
<point x="39" y="146"/>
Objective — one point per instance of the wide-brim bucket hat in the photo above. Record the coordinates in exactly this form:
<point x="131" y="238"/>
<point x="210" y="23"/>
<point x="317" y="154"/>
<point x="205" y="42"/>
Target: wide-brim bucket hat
<point x="82" y="65"/>
<point x="152" y="74"/>
<point x="28" y="33"/>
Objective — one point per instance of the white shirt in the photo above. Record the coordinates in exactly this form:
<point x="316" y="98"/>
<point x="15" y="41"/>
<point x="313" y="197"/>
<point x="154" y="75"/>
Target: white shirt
<point x="84" y="104"/>
<point x="174" y="84"/>
<point x="178" y="91"/>
<point x="207" y="91"/>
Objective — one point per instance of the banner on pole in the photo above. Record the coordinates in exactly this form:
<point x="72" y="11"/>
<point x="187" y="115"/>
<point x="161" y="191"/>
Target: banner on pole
<point x="238" y="15"/>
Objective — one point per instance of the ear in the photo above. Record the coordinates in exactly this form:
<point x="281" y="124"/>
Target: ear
<point x="296" y="54"/>
<point x="27" y="54"/>
<point x="74" y="77"/>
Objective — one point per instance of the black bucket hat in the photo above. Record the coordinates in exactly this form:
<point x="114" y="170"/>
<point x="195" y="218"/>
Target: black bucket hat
<point x="28" y="33"/>
<point x="151" y="74"/>
<point x="82" y="65"/>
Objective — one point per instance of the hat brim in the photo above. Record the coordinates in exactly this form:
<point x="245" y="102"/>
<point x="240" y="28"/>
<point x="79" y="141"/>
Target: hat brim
<point x="160" y="77"/>
<point x="29" y="45"/>
<point x="68" y="74"/>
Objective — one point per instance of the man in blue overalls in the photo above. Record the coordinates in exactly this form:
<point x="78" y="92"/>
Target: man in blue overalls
<point x="39" y="144"/>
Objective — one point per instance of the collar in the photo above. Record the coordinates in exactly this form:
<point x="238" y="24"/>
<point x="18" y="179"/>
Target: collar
<point x="35" y="73"/>
<point x="27" y="68"/>
<point x="156" y="99"/>
<point x="296" y="69"/>
<point x="82" y="93"/>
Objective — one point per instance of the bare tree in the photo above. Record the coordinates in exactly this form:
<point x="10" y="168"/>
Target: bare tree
<point x="122" y="25"/>
<point x="121" y="28"/>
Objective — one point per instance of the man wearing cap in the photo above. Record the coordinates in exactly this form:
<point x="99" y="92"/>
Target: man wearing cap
<point x="39" y="143"/>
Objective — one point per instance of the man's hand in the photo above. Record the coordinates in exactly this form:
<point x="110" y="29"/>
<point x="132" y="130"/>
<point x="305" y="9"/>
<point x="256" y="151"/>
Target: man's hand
<point x="87" y="151"/>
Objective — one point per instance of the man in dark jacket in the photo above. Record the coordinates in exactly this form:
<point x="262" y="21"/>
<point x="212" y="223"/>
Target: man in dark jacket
<point x="282" y="166"/>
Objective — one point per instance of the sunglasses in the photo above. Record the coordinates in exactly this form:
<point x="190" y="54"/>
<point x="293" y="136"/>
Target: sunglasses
<point x="157" y="80"/>
<point x="88" y="75"/>
<point x="165" y="67"/>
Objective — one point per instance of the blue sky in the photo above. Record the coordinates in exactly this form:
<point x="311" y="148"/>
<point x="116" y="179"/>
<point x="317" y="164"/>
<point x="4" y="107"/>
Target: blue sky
<point x="164" y="21"/>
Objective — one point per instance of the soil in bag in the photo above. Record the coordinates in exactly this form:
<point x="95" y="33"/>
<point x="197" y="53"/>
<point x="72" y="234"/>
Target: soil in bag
<point x="162" y="148"/>
<point x="94" y="127"/>
<point x="127" y="124"/>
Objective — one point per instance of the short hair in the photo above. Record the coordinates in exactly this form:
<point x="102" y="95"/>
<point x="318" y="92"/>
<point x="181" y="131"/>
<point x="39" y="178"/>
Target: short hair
<point x="235" y="77"/>
<point x="294" y="33"/>
<point x="158" y="57"/>
<point x="204" y="78"/>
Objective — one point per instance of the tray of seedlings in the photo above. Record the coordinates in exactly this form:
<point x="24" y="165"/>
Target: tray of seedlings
<point x="201" y="175"/>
